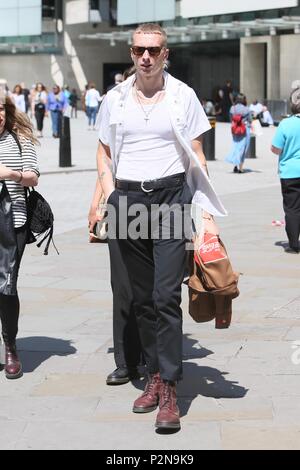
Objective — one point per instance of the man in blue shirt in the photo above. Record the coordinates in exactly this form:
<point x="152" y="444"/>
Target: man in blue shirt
<point x="57" y="104"/>
<point x="286" y="144"/>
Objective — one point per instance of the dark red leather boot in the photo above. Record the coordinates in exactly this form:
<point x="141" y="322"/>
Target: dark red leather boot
<point x="168" y="416"/>
<point x="148" y="401"/>
<point x="13" y="366"/>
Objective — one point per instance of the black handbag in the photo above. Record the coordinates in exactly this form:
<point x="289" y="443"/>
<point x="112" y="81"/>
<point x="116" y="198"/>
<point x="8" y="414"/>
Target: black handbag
<point x="40" y="218"/>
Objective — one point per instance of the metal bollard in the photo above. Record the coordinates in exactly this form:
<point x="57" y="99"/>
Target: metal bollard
<point x="251" y="152"/>
<point x="209" y="140"/>
<point x="65" y="153"/>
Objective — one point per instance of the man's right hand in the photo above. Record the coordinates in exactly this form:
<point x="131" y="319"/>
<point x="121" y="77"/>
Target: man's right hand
<point x="93" y="218"/>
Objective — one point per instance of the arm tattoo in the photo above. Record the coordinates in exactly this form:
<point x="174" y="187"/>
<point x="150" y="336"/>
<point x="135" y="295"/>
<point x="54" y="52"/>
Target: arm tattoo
<point x="102" y="176"/>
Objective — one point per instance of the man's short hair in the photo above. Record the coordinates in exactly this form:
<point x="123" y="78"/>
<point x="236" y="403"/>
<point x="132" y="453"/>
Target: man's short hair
<point x="152" y="28"/>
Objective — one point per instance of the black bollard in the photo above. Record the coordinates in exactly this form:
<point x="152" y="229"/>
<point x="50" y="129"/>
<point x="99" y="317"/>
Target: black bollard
<point x="209" y="138"/>
<point x="65" y="153"/>
<point x="251" y="152"/>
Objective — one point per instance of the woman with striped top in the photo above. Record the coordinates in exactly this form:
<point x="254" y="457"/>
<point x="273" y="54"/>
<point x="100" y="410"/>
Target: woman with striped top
<point x="18" y="170"/>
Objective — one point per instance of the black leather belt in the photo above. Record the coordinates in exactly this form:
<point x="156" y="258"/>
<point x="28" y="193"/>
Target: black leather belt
<point x="148" y="186"/>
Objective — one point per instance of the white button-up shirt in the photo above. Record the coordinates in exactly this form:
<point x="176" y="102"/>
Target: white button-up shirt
<point x="180" y="97"/>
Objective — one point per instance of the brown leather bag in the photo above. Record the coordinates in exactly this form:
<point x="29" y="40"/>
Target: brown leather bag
<point x="212" y="287"/>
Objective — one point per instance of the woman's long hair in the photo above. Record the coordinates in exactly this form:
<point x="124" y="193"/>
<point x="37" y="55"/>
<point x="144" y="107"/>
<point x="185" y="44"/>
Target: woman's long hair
<point x="18" y="122"/>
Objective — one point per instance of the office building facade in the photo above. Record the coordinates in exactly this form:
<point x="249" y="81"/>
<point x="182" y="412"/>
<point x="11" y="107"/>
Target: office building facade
<point x="253" y="43"/>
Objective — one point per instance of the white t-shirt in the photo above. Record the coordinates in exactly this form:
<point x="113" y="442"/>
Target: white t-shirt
<point x="150" y="149"/>
<point x="19" y="102"/>
<point x="92" y="98"/>
<point x="256" y="108"/>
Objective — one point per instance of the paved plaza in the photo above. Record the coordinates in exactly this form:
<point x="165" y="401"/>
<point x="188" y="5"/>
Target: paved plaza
<point x="241" y="386"/>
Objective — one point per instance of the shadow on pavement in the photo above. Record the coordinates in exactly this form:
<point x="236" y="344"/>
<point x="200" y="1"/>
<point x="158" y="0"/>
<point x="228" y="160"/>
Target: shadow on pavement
<point x="200" y="380"/>
<point x="37" y="349"/>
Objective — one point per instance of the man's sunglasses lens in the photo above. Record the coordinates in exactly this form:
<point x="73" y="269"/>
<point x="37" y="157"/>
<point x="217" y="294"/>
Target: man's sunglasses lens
<point x="153" y="51"/>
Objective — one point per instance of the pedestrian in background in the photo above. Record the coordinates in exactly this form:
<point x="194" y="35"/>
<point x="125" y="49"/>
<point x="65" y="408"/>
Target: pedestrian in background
<point x="226" y="100"/>
<point x="73" y="100"/>
<point x="240" y="130"/>
<point x="92" y="102"/>
<point x="38" y="106"/>
<point x="286" y="144"/>
<point x="18" y="170"/>
<point x="118" y="79"/>
<point x="19" y="98"/>
<point x="57" y="103"/>
<point x="26" y="93"/>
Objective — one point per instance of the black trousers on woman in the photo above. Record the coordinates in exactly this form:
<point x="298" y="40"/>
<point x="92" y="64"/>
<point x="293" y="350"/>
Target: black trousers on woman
<point x="10" y="305"/>
<point x="291" y="203"/>
<point x="39" y="116"/>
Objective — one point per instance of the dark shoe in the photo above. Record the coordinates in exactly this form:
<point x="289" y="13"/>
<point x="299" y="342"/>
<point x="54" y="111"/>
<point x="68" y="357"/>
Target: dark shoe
<point x="148" y="401"/>
<point x="13" y="366"/>
<point x="168" y="416"/>
<point x="240" y="172"/>
<point x="290" y="250"/>
<point x="122" y="375"/>
<point x="235" y="170"/>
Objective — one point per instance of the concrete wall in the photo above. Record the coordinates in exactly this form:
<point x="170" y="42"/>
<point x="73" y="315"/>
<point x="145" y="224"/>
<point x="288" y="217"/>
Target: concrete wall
<point x="260" y="63"/>
<point x="289" y="62"/>
<point x="81" y="61"/>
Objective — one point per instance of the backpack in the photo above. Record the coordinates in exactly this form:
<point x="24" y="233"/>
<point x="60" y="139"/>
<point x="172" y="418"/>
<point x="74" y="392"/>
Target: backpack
<point x="40" y="218"/>
<point x="238" y="127"/>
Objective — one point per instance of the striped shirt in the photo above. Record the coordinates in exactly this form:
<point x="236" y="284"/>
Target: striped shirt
<point x="11" y="157"/>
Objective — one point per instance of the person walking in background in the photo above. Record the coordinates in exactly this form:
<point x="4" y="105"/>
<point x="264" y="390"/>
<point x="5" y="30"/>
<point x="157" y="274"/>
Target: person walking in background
<point x="73" y="100"/>
<point x="118" y="79"/>
<point x="19" y="99"/>
<point x="18" y="170"/>
<point x="151" y="127"/>
<point x="57" y="103"/>
<point x="286" y="144"/>
<point x="226" y="100"/>
<point x="26" y="94"/>
<point x="126" y="340"/>
<point x="38" y="106"/>
<point x="92" y="102"/>
<point x="240" y="129"/>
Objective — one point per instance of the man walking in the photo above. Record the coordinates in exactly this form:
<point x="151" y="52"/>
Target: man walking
<point x="150" y="128"/>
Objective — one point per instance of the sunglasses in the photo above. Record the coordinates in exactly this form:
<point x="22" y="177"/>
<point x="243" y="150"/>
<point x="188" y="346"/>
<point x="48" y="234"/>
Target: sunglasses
<point x="139" y="51"/>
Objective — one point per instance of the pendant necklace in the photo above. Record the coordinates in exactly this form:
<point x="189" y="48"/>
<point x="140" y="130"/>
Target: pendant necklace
<point x="147" y="113"/>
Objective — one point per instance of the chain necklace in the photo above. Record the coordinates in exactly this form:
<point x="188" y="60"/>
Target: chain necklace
<point x="147" y="113"/>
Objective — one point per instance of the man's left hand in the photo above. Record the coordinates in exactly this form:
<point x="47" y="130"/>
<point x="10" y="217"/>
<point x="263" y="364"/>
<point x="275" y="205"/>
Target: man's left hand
<point x="210" y="226"/>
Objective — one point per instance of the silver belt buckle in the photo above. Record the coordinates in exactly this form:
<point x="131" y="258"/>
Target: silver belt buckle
<point x="144" y="189"/>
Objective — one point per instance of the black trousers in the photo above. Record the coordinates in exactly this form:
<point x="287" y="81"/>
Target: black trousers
<point x="156" y="267"/>
<point x="127" y="344"/>
<point x="291" y="204"/>
<point x="39" y="116"/>
<point x="10" y="305"/>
